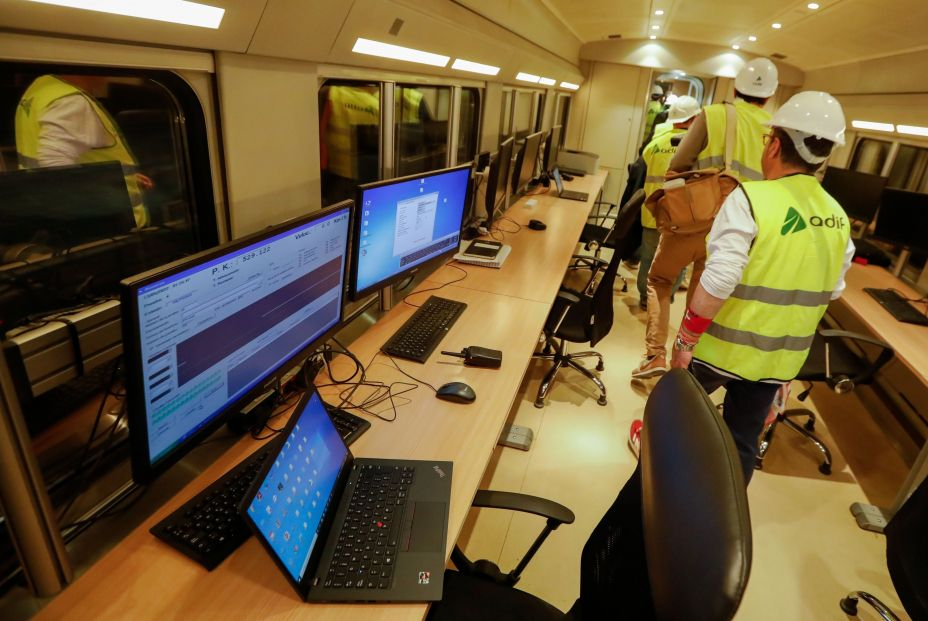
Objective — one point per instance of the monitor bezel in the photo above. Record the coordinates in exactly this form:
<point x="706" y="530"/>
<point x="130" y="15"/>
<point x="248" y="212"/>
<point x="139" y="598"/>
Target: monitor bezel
<point x="921" y="249"/>
<point x="517" y="184"/>
<point x="355" y="294"/>
<point x="849" y="172"/>
<point x="501" y="179"/>
<point x="143" y="470"/>
<point x="546" y="160"/>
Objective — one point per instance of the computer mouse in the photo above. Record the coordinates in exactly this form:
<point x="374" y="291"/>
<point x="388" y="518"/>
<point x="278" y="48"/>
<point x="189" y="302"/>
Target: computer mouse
<point x="537" y="225"/>
<point x="456" y="392"/>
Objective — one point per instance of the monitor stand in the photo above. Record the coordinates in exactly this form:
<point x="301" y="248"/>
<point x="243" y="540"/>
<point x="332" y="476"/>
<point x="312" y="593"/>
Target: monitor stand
<point x="900" y="263"/>
<point x="386" y="298"/>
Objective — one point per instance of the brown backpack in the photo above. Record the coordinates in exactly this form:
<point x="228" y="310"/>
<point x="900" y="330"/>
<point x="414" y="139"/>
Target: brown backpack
<point x="688" y="202"/>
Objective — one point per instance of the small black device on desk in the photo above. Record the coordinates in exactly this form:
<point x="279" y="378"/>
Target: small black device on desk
<point x="420" y="335"/>
<point x="479" y="356"/>
<point x="537" y="225"/>
<point x="207" y="528"/>
<point x="898" y="306"/>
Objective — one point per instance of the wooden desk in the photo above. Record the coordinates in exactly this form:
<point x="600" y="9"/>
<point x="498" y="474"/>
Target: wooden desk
<point x="143" y="578"/>
<point x="534" y="269"/>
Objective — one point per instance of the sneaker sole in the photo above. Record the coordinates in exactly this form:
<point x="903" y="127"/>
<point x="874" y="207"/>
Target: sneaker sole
<point x="648" y="374"/>
<point x="631" y="447"/>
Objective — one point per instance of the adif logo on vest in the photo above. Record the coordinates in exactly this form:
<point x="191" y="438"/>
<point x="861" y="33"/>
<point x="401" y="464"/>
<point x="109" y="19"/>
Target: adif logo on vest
<point x="795" y="223"/>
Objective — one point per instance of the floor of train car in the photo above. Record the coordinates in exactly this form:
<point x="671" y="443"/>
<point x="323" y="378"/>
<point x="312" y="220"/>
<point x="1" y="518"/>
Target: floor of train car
<point x="808" y="551"/>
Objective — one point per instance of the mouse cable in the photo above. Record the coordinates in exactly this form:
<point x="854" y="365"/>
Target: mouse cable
<point x="450" y="282"/>
<point x="415" y="379"/>
<point x="382" y="392"/>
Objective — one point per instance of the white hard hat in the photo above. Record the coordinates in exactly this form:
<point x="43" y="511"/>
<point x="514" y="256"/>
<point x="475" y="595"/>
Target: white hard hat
<point x="682" y="109"/>
<point x="657" y="90"/>
<point x="811" y="113"/>
<point x="758" y="78"/>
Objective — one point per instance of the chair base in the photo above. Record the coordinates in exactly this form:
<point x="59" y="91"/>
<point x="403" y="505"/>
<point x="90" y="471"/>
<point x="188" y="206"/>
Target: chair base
<point x="805" y="431"/>
<point x="555" y="350"/>
<point x="849" y="605"/>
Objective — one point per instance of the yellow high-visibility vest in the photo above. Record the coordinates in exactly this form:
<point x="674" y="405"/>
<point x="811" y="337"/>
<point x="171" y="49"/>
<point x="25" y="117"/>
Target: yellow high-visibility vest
<point x="764" y="330"/>
<point x="654" y="108"/>
<point x="657" y="156"/>
<point x="44" y="91"/>
<point x="749" y="140"/>
<point x="351" y="106"/>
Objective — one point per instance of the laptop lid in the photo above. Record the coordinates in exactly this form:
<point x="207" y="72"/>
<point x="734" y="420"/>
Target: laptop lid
<point x="558" y="181"/>
<point x="293" y="501"/>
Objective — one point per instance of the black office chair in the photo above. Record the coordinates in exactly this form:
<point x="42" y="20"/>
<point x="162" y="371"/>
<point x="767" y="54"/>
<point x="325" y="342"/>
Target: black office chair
<point x="907" y="559"/>
<point x="675" y="544"/>
<point x="585" y="316"/>
<point x="598" y="234"/>
<point x="832" y="360"/>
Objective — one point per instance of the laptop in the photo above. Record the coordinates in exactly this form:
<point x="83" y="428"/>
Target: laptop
<point x="346" y="529"/>
<point x="570" y="194"/>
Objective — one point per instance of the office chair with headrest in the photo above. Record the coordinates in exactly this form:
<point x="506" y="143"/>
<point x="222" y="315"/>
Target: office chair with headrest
<point x="907" y="559"/>
<point x="596" y="235"/>
<point x="831" y="360"/>
<point x="585" y="316"/>
<point x="675" y="544"/>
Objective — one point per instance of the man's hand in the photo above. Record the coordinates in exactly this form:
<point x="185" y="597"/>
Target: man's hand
<point x="144" y="181"/>
<point x="680" y="359"/>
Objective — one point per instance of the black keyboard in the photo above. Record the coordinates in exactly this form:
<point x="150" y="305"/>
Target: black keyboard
<point x="365" y="552"/>
<point x="208" y="527"/>
<point x="898" y="306"/>
<point x="420" y="335"/>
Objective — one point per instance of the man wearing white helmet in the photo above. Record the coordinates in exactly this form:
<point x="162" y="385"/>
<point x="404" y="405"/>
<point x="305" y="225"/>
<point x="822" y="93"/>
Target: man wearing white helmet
<point x="778" y="252"/>
<point x="657" y="155"/>
<point x="704" y="147"/>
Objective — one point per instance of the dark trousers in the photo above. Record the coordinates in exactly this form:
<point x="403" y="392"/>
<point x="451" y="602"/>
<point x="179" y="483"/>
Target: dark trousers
<point x="745" y="408"/>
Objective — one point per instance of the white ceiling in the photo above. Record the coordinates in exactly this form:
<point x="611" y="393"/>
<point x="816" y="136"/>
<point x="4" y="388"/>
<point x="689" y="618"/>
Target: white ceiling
<point x="841" y="31"/>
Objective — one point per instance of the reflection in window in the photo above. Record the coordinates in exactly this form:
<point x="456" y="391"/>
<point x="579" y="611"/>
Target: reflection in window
<point x="869" y="155"/>
<point x="505" y="118"/>
<point x="522" y="116"/>
<point x="468" y="124"/>
<point x="421" y="119"/>
<point x="103" y="175"/>
<point x="563" y="115"/>
<point x="539" y="111"/>
<point x="349" y="137"/>
<point x="908" y="169"/>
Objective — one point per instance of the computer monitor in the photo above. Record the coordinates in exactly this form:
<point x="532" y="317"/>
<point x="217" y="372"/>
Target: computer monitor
<point x="401" y="224"/>
<point x="62" y="207"/>
<point x="552" y="147"/>
<point x="497" y="178"/>
<point x="858" y="193"/>
<point x="903" y="219"/>
<point x="206" y="335"/>
<point x="524" y="168"/>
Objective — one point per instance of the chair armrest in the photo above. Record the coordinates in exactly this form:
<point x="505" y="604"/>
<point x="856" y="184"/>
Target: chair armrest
<point x="885" y="355"/>
<point x="555" y="513"/>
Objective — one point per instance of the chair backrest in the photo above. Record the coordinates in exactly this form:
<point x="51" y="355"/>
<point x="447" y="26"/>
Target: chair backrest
<point x="907" y="552"/>
<point x="676" y="543"/>
<point x="625" y="236"/>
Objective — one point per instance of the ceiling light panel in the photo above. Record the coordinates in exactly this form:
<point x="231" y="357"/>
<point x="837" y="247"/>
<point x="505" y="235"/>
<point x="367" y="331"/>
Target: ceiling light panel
<point x="913" y="130"/>
<point x="873" y="125"/>
<point x="396" y="52"/>
<point x="466" y="65"/>
<point x="528" y="77"/>
<point x="570" y="85"/>
<point x="547" y="81"/>
<point x="174" y="11"/>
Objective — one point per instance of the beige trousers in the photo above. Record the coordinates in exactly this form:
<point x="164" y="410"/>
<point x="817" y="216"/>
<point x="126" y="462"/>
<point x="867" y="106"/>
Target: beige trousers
<point x="674" y="252"/>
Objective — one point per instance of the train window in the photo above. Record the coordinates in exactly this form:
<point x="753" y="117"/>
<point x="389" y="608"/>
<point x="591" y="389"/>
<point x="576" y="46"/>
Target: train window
<point x="908" y="170"/>
<point x="870" y="155"/>
<point x="505" y="115"/>
<point x="468" y="124"/>
<point x="349" y="137"/>
<point x="522" y="118"/>
<point x="562" y="115"/>
<point x="103" y="173"/>
<point x="421" y="125"/>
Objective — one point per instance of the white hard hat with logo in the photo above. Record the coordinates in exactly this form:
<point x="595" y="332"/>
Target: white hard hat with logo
<point x="811" y="113"/>
<point x="683" y="109"/>
<point x="758" y="78"/>
<point x="657" y="90"/>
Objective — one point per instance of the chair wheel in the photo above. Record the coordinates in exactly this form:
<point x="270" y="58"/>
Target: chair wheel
<point x="601" y="400"/>
<point x="600" y="366"/>
<point x="825" y="468"/>
<point x="539" y="403"/>
<point x="810" y="425"/>
<point x="849" y="605"/>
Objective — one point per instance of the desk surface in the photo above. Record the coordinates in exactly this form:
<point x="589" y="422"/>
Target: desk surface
<point x="143" y="578"/>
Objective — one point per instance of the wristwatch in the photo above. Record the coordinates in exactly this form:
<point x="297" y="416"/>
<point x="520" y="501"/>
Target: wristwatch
<point x="680" y="345"/>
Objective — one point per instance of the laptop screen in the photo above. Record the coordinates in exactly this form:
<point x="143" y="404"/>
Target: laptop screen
<point x="299" y="488"/>
<point x="557" y="180"/>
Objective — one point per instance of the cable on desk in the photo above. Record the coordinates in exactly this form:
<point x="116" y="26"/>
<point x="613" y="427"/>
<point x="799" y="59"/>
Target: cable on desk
<point x="415" y="379"/>
<point x="450" y="282"/>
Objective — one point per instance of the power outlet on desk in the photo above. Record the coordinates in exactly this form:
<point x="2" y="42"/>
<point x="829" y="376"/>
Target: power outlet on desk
<point x="517" y="436"/>
<point x="869" y="517"/>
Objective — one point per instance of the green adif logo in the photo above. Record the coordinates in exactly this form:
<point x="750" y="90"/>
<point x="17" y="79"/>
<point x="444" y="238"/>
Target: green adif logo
<point x="793" y="223"/>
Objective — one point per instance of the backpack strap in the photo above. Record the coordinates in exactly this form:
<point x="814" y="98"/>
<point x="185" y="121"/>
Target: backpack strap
<point x="731" y="125"/>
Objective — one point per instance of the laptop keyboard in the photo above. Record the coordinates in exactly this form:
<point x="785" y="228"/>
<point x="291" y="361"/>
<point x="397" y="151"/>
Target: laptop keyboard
<point x="365" y="552"/>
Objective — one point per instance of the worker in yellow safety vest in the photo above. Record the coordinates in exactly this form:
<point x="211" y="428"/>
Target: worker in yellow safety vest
<point x="654" y="109"/>
<point x="778" y="253"/>
<point x="657" y="155"/>
<point x="59" y="122"/>
<point x="704" y="146"/>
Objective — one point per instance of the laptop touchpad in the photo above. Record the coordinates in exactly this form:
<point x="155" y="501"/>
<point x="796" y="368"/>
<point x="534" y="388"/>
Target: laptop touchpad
<point x="423" y="527"/>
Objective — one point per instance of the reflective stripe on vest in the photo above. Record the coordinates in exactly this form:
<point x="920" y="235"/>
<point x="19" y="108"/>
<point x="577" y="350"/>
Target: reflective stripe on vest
<point x="43" y="92"/>
<point x="749" y="140"/>
<point x="657" y="156"/>
<point x="765" y="328"/>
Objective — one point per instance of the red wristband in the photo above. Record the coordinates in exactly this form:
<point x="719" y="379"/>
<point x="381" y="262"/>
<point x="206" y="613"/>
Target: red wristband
<point x="694" y="324"/>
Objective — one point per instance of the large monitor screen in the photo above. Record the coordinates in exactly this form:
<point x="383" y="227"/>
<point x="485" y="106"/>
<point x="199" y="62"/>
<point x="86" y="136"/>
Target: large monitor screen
<point x="903" y="219"/>
<point x="403" y="223"/>
<point x="552" y="147"/>
<point x="525" y="163"/>
<point x="205" y="335"/>
<point x="858" y="193"/>
<point x="496" y="180"/>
